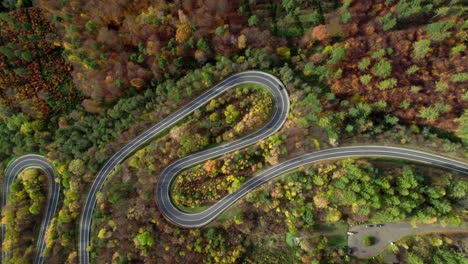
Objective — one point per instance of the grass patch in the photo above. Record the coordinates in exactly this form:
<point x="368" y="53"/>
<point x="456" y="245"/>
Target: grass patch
<point x="369" y="241"/>
<point x="335" y="233"/>
<point x="196" y="209"/>
<point x="253" y="86"/>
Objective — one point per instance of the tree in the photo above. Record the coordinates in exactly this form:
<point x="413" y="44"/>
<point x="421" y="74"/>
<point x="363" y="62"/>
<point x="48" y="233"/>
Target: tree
<point x="462" y="131"/>
<point x="143" y="239"/>
<point x="231" y="114"/>
<point x="421" y="48"/>
<point x="412" y="69"/>
<point x="388" y="21"/>
<point x="220" y="30"/>
<point x="382" y="69"/>
<point x="459" y="77"/>
<point x="429" y="113"/>
<point x="364" y="63"/>
<point x="413" y="258"/>
<point x="253" y="20"/>
<point x="338" y="54"/>
<point x="320" y="33"/>
<point x="458" y="189"/>
<point x="346" y="17"/>
<point x="448" y="256"/>
<point x="438" y="31"/>
<point x="387" y="84"/>
<point x="184" y="32"/>
<point x="242" y="41"/>
<point x="77" y="167"/>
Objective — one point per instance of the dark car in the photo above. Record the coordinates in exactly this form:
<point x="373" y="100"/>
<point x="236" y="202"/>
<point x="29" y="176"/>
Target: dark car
<point x="369" y="226"/>
<point x="380" y="225"/>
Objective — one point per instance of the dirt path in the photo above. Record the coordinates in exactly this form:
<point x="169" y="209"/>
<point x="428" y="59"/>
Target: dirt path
<point x="391" y="232"/>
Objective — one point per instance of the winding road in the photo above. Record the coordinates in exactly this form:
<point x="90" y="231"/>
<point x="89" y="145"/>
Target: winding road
<point x="16" y="167"/>
<point x="180" y="218"/>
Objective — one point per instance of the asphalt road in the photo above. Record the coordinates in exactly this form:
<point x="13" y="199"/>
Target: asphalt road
<point x="392" y="232"/>
<point x="16" y="167"/>
<point x="193" y="220"/>
<point x="280" y="112"/>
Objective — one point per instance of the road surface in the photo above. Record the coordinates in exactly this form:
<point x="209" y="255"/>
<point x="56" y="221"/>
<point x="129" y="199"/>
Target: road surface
<point x="192" y="220"/>
<point x="391" y="232"/>
<point x="16" y="167"/>
<point x="280" y="112"/>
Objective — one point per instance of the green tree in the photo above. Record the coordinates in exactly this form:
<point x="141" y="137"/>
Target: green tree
<point x="412" y="69"/>
<point x="365" y="79"/>
<point x="439" y="31"/>
<point x="253" y="20"/>
<point x="457" y="49"/>
<point x="143" y="239"/>
<point x="387" y="84"/>
<point x="448" y="256"/>
<point x="421" y="48"/>
<point x="220" y="30"/>
<point x="231" y="114"/>
<point x="388" y="21"/>
<point x="382" y="69"/>
<point x="462" y="131"/>
<point x="458" y="189"/>
<point x="459" y="77"/>
<point x="413" y="258"/>
<point x="77" y="167"/>
<point x="364" y="63"/>
<point x="337" y="54"/>
<point x="429" y="113"/>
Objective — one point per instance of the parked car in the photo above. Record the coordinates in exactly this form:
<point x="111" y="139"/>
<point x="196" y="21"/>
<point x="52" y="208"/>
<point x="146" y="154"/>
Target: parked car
<point x="369" y="226"/>
<point x="380" y="225"/>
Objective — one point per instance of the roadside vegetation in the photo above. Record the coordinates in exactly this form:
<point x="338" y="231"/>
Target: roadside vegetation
<point x="23" y="215"/>
<point x="437" y="249"/>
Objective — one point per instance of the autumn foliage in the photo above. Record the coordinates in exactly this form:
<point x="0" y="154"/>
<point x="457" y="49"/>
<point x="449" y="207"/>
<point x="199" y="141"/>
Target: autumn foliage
<point x="399" y="57"/>
<point x="134" y="44"/>
<point x="34" y="76"/>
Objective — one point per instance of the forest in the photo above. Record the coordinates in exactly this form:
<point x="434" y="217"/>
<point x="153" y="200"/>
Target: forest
<point x="76" y="84"/>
